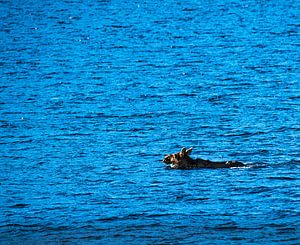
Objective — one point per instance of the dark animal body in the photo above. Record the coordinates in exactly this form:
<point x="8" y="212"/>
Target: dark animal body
<point x="182" y="160"/>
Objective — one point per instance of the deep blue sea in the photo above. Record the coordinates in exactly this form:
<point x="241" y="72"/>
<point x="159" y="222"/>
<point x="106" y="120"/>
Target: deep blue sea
<point x="93" y="94"/>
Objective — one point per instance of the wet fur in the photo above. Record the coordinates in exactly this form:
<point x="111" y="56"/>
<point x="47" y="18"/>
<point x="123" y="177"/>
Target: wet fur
<point x="182" y="160"/>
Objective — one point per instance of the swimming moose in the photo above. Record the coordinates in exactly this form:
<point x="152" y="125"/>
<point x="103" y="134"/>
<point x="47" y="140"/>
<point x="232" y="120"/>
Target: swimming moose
<point x="182" y="160"/>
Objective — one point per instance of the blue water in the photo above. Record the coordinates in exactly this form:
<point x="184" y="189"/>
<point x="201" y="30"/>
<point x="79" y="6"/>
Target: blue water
<point x="93" y="94"/>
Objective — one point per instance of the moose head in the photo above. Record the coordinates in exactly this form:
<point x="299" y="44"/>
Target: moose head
<point x="178" y="159"/>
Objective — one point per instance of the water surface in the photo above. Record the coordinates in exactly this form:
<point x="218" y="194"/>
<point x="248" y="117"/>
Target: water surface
<point x="94" y="93"/>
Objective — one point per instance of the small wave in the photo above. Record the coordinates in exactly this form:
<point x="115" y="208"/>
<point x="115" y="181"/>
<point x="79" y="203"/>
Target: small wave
<point x="260" y="189"/>
<point x="230" y="226"/>
<point x="282" y="178"/>
<point x="294" y="161"/>
<point x="198" y="199"/>
<point x="20" y="205"/>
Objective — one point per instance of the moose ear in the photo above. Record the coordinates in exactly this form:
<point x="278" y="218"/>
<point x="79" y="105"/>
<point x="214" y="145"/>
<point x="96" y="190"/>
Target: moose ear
<point x="188" y="152"/>
<point x="183" y="151"/>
